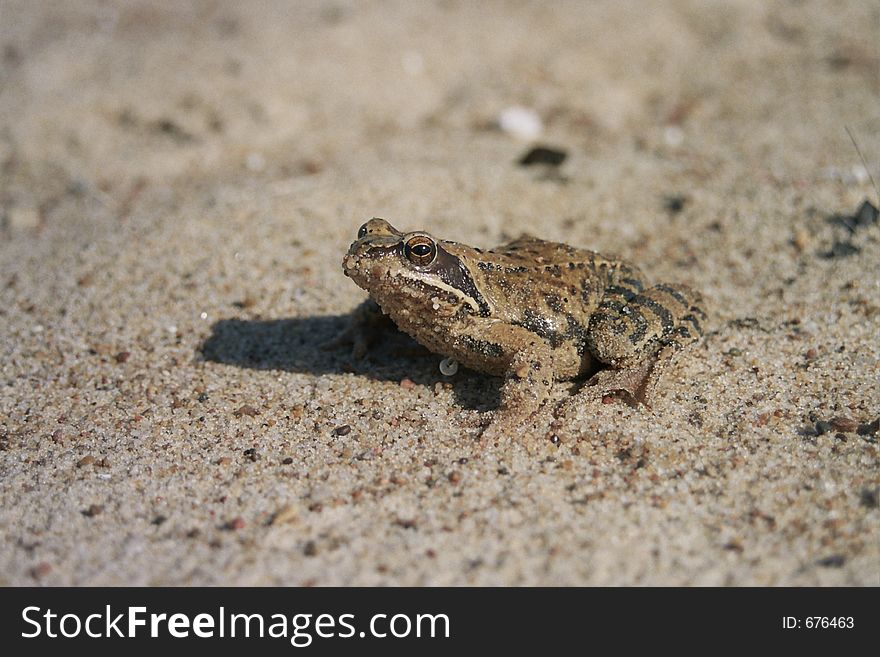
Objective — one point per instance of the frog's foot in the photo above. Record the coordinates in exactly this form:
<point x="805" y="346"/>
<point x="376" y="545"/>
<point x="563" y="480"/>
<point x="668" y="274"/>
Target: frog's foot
<point x="368" y="323"/>
<point x="634" y="384"/>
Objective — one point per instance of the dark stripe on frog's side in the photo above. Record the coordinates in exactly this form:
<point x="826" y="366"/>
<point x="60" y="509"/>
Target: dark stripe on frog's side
<point x="535" y="323"/>
<point x="660" y="311"/>
<point x="577" y="333"/>
<point x="629" y="310"/>
<point x="620" y="291"/>
<point x="450" y="270"/>
<point x="675" y="294"/>
<point x="482" y="347"/>
<point x="695" y="322"/>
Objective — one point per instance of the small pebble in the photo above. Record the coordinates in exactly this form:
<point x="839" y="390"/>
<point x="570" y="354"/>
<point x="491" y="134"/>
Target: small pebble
<point x="310" y="549"/>
<point x="868" y="498"/>
<point x="246" y="409"/>
<point x="251" y="454"/>
<point x="843" y="423"/>
<point x="674" y="204"/>
<point x="407" y="384"/>
<point x="822" y="427"/>
<point x="869" y="429"/>
<point x="235" y="524"/>
<point x="158" y="520"/>
<point x="287" y="461"/>
<point x="287" y="514"/>
<point x="833" y="561"/>
<point x="86" y="460"/>
<point x="543" y="155"/>
<point x="41" y="570"/>
<point x="840" y="250"/>
<point x="521" y="122"/>
<point x="344" y="430"/>
<point x="93" y="510"/>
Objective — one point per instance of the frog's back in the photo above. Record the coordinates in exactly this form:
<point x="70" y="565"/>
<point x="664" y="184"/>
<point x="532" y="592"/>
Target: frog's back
<point x="549" y="288"/>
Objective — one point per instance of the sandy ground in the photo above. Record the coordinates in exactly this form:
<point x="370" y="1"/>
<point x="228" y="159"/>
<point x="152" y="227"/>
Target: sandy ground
<point x="179" y="182"/>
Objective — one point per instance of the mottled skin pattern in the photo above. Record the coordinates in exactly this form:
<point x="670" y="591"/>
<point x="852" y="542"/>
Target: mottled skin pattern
<point x="530" y="310"/>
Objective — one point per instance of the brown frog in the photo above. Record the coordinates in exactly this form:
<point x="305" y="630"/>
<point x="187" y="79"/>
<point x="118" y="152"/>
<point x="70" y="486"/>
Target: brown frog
<point x="531" y="311"/>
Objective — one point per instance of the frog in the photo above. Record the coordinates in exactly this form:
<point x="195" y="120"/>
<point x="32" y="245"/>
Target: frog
<point x="532" y="311"/>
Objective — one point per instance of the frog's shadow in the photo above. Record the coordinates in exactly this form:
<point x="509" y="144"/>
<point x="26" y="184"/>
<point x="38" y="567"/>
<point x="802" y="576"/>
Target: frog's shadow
<point x="302" y="345"/>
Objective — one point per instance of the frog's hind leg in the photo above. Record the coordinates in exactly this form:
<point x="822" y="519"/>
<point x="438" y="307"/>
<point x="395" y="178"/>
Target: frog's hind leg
<point x="636" y="333"/>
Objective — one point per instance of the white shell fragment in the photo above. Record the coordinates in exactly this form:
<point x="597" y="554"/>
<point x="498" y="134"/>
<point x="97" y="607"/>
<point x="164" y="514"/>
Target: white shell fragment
<point x="521" y="122"/>
<point x="448" y="366"/>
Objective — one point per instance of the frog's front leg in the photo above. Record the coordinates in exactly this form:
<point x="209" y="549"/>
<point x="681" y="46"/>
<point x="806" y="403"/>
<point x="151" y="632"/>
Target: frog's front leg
<point x="527" y="363"/>
<point x="367" y="324"/>
<point x="637" y="332"/>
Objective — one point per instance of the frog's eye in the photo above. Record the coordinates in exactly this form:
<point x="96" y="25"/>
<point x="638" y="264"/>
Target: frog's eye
<point x="362" y="232"/>
<point x="420" y="250"/>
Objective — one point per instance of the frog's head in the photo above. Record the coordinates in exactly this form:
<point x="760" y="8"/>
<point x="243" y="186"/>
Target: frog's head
<point x="413" y="271"/>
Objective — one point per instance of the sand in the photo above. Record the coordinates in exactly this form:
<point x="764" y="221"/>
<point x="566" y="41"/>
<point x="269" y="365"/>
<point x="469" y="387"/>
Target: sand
<point x="178" y="187"/>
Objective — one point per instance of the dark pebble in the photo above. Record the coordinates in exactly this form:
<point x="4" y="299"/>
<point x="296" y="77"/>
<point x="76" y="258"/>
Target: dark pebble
<point x="869" y="497"/>
<point x="834" y="561"/>
<point x="866" y="215"/>
<point x="158" y="520"/>
<point x="203" y="397"/>
<point x="93" y="510"/>
<point x="344" y="430"/>
<point x="543" y="155"/>
<point x="251" y="454"/>
<point x="122" y="356"/>
<point x="310" y="549"/>
<point x="840" y="250"/>
<point x="869" y="429"/>
<point x="675" y="203"/>
<point x="287" y="461"/>
<point x="823" y="427"/>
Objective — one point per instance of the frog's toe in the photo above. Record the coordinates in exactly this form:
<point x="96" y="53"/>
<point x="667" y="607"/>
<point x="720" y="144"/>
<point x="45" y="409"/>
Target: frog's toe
<point x="634" y="384"/>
